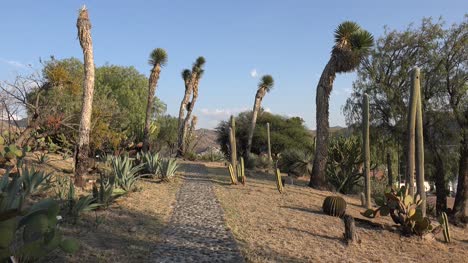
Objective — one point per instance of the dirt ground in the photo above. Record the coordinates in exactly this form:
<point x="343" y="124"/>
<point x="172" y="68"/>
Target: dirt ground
<point x="290" y="227"/>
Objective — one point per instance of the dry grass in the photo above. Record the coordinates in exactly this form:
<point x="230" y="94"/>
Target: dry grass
<point x="127" y="231"/>
<point x="290" y="227"/>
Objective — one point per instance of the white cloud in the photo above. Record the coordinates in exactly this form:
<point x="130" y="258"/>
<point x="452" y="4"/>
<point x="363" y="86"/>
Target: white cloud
<point x="210" y="118"/>
<point x="253" y="73"/>
<point x="13" y="63"/>
<point x="221" y="112"/>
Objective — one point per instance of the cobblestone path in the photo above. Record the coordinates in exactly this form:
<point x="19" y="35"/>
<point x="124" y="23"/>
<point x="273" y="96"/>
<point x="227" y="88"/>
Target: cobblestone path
<point x="197" y="231"/>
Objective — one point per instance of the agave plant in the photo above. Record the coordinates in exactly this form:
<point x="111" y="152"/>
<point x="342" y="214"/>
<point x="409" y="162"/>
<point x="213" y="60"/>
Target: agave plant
<point x="126" y="174"/>
<point x="35" y="181"/>
<point x="344" y="163"/>
<point x="168" y="168"/>
<point x="106" y="193"/>
<point x="352" y="45"/>
<point x="78" y="206"/>
<point x="297" y="162"/>
<point x="151" y="163"/>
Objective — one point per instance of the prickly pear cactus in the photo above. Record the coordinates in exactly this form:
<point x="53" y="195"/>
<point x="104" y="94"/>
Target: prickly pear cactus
<point x="334" y="206"/>
<point x="36" y="226"/>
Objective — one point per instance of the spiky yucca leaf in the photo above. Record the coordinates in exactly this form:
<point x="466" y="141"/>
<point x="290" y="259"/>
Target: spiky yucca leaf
<point x="200" y="62"/>
<point x="158" y="56"/>
<point x="266" y="82"/>
<point x="362" y="41"/>
<point x="186" y="73"/>
<point x="344" y="31"/>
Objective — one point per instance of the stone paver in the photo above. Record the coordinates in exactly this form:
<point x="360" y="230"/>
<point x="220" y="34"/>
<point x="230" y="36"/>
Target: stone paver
<point x="197" y="231"/>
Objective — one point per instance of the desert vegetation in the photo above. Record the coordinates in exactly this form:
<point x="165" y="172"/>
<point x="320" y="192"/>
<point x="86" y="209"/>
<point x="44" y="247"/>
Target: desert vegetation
<point x="97" y="169"/>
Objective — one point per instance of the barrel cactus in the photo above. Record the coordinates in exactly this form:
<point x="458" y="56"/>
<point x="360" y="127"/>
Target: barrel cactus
<point x="334" y="206"/>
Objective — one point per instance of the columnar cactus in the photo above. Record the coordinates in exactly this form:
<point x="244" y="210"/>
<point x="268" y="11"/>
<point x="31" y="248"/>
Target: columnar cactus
<point x="443" y="220"/>
<point x="334" y="206"/>
<point x="232" y="174"/>
<point x="415" y="87"/>
<point x="389" y="169"/>
<point x="233" y="143"/>
<point x="366" y="151"/>
<point x="279" y="182"/>
<point x="269" y="142"/>
<point x="419" y="145"/>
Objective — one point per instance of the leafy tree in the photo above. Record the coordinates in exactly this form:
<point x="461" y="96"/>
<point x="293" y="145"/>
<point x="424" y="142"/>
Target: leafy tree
<point x="352" y="44"/>
<point x="441" y="55"/>
<point x="117" y="116"/>
<point x="286" y="133"/>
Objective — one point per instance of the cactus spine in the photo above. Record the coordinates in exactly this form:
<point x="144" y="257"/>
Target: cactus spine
<point x="279" y="183"/>
<point x="411" y="130"/>
<point x="269" y="142"/>
<point x="366" y="151"/>
<point x="420" y="146"/>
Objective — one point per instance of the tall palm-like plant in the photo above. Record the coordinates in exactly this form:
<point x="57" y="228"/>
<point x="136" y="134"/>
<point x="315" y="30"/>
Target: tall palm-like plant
<point x="191" y="80"/>
<point x="264" y="86"/>
<point x="82" y="150"/>
<point x="352" y="45"/>
<point x="158" y="59"/>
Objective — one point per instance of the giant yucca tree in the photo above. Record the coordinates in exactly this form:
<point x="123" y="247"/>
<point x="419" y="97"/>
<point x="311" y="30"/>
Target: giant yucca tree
<point x="352" y="44"/>
<point x="191" y="80"/>
<point x="82" y="150"/>
<point x="158" y="59"/>
<point x="264" y="86"/>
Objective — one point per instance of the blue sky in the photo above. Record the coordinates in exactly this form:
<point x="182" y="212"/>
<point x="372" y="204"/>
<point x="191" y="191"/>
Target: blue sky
<point x="291" y="40"/>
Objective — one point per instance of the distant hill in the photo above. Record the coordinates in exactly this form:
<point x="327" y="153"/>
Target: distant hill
<point x="206" y="140"/>
<point x="335" y="130"/>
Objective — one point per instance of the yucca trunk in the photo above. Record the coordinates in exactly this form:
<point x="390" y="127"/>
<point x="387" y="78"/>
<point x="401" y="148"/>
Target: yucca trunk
<point x="152" y="84"/>
<point x="180" y="127"/>
<point x="460" y="207"/>
<point x="189" y="112"/>
<point x="185" y="123"/>
<point x="82" y="150"/>
<point x="322" y="101"/>
<point x="253" y="123"/>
